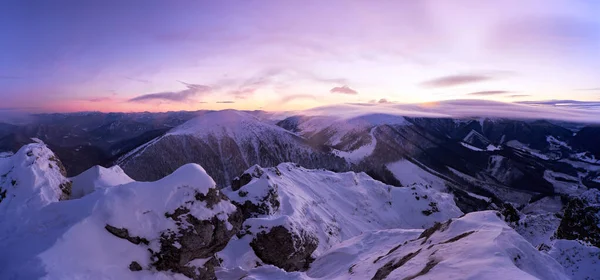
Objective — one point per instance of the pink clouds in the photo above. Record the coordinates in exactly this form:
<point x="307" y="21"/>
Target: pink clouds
<point x="343" y="90"/>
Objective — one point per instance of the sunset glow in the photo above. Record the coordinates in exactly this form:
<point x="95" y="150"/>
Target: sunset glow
<point x="281" y="55"/>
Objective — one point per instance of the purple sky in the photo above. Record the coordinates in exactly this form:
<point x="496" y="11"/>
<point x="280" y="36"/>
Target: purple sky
<point x="286" y="55"/>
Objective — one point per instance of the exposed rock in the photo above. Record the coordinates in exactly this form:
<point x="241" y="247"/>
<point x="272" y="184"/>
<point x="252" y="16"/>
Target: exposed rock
<point x="123" y="233"/>
<point x="195" y="239"/>
<point x="212" y="197"/>
<point x="436" y="227"/>
<point x="240" y="181"/>
<point x="511" y="215"/>
<point x="385" y="270"/>
<point x="245" y="178"/>
<point x="267" y="205"/>
<point x="65" y="187"/>
<point x="580" y="222"/>
<point x="284" y="248"/>
<point x="135" y="266"/>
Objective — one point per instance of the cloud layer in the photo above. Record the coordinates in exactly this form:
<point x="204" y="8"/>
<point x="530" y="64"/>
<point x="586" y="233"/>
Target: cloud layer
<point x="185" y="95"/>
<point x="454" y="80"/>
<point x="488" y="92"/>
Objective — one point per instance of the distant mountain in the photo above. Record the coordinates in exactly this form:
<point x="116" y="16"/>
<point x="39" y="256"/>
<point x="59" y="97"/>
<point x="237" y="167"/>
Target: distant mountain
<point x="226" y="143"/>
<point x="83" y="140"/>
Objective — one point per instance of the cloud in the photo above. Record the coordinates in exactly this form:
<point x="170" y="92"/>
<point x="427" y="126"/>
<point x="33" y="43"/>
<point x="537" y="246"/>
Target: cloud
<point x="380" y="101"/>
<point x="565" y="103"/>
<point x="225" y="102"/>
<point x="518" y="95"/>
<point x="589" y="89"/>
<point x="243" y="93"/>
<point x="343" y="90"/>
<point x="454" y="80"/>
<point x="174" y="96"/>
<point x="488" y="92"/>
<point x="100" y="99"/>
<point x="292" y="97"/>
<point x="137" y="80"/>
<point x="465" y="108"/>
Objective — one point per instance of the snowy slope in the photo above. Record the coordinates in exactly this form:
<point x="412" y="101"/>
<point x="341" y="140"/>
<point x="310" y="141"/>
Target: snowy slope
<point x="409" y="173"/>
<point x="477" y="246"/>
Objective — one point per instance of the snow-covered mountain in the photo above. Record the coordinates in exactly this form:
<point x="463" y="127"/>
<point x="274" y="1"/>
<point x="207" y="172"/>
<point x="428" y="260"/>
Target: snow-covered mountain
<point x="283" y="222"/>
<point x="225" y="143"/>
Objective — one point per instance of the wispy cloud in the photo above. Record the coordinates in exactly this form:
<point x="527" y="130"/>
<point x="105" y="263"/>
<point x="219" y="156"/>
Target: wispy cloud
<point x="185" y="95"/>
<point x="589" y="89"/>
<point x="343" y="90"/>
<point x="564" y="103"/>
<point x="292" y="97"/>
<point x="518" y="95"/>
<point x="454" y="80"/>
<point x="225" y="102"/>
<point x="488" y="92"/>
<point x="137" y="80"/>
<point x="380" y="101"/>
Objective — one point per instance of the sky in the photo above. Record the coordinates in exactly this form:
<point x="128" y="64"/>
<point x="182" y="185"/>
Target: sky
<point x="65" y="56"/>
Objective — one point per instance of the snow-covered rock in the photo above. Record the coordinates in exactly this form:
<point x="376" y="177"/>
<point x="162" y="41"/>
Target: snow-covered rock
<point x="29" y="180"/>
<point x="476" y="246"/>
<point x="317" y="209"/>
<point x="580" y="261"/>
<point x="155" y="230"/>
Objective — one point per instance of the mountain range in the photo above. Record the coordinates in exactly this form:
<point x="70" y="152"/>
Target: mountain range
<point x="359" y="192"/>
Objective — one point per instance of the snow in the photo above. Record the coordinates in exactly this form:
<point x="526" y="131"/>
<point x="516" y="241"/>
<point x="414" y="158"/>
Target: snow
<point x="485" y="198"/>
<point x="580" y="261"/>
<point x="31" y="179"/>
<point x="235" y="124"/>
<point x="555" y="143"/>
<point x="560" y="186"/>
<point x="98" y="177"/>
<point x="6" y="154"/>
<point x="409" y="173"/>
<point x="490" y="250"/>
<point x="471" y="147"/>
<point x="358" y="222"/>
<point x="488" y="148"/>
<point x="586" y="157"/>
<point x="338" y="127"/>
<point x="362" y="152"/>
<point x="67" y="239"/>
<point x="525" y="148"/>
